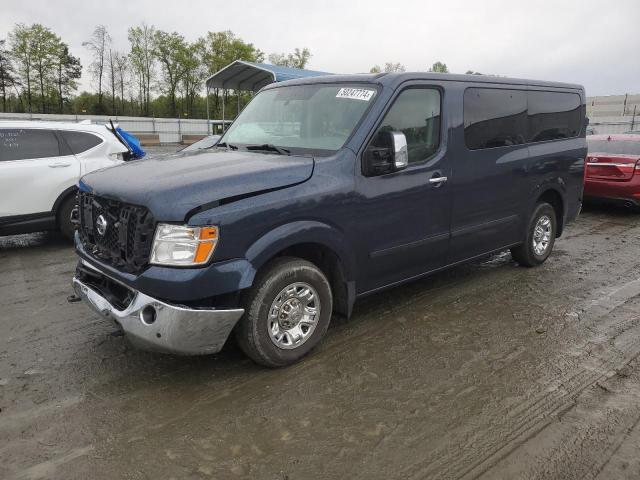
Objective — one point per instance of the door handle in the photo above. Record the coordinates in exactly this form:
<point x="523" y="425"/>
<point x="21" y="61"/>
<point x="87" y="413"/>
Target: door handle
<point x="59" y="164"/>
<point x="437" y="181"/>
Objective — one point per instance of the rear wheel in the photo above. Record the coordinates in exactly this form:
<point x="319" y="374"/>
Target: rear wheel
<point x="287" y="312"/>
<point x="65" y="225"/>
<point x="541" y="236"/>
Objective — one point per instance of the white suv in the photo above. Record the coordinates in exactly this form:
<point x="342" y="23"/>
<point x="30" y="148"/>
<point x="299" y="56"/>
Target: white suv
<point x="40" y="165"/>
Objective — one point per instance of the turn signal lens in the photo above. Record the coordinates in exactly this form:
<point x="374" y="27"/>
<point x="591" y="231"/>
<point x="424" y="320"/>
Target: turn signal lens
<point x="183" y="246"/>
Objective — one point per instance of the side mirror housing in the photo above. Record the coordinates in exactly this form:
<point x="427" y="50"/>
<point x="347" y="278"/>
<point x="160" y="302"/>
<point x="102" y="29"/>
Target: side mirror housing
<point x="400" y="151"/>
<point x="387" y="153"/>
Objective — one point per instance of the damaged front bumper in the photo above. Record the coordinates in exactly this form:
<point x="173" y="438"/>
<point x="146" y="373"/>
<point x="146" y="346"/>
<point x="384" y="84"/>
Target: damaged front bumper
<point x="154" y="325"/>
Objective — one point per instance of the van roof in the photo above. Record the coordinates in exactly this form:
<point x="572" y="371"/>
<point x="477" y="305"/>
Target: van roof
<point x="394" y="79"/>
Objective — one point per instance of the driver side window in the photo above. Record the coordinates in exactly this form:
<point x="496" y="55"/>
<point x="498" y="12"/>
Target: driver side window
<point x="416" y="113"/>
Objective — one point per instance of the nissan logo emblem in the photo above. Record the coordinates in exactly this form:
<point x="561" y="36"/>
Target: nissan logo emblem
<point x="101" y="225"/>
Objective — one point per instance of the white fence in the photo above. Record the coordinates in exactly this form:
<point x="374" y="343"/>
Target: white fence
<point x="169" y="130"/>
<point x="613" y="105"/>
<point x="604" y="125"/>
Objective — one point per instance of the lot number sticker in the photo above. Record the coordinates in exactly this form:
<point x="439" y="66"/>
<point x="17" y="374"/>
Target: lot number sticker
<point x="356" y="93"/>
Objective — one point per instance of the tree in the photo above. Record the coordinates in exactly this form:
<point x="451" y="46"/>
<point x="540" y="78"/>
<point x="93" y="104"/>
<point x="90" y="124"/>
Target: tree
<point x="99" y="44"/>
<point x="439" y="67"/>
<point x="393" y="67"/>
<point x="7" y="74"/>
<point x="111" y="78"/>
<point x="297" y="59"/>
<point x="219" y="49"/>
<point x="35" y="50"/>
<point x="192" y="77"/>
<point x="20" y="40"/>
<point x="171" y="51"/>
<point x="119" y="65"/>
<point x="389" y="67"/>
<point x="45" y="45"/>
<point x="68" y="70"/>
<point x="143" y="61"/>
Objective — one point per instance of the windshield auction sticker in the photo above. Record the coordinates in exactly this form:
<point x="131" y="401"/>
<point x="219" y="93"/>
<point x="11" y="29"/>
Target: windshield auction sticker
<point x="356" y="93"/>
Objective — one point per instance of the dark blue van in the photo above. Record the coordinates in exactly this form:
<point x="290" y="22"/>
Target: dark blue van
<point x="322" y="191"/>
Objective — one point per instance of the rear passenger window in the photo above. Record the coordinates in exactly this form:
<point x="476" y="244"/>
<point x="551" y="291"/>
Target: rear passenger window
<point x="26" y="143"/>
<point x="501" y="117"/>
<point x="416" y="113"/>
<point x="494" y="118"/>
<point x="80" y="141"/>
<point x="553" y="115"/>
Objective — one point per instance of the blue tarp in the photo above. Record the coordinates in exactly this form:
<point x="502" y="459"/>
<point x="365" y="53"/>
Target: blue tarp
<point x="133" y="142"/>
<point x="242" y="75"/>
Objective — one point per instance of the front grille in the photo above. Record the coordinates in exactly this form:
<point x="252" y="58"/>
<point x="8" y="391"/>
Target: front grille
<point x="114" y="232"/>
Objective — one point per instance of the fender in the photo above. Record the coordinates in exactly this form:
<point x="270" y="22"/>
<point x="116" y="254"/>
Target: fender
<point x="294" y="233"/>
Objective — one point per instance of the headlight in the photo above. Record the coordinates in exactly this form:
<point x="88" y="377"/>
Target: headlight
<point x="181" y="246"/>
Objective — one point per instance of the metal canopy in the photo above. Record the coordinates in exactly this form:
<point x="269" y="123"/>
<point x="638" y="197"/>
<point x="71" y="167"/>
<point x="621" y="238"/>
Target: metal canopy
<point x="248" y="76"/>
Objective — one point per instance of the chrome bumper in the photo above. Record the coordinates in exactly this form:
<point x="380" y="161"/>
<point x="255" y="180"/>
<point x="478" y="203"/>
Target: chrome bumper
<point x="151" y="324"/>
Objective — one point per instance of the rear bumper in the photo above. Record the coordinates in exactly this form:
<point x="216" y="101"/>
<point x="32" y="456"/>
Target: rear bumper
<point x="154" y="325"/>
<point x="621" y="202"/>
<point x="614" y="191"/>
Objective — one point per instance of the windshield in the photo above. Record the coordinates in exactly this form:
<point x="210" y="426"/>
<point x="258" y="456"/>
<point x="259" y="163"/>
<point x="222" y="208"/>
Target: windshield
<point x="301" y="119"/>
<point x="617" y="147"/>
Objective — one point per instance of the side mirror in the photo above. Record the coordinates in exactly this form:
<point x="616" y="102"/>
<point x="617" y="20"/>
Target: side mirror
<point x="400" y="150"/>
<point x="387" y="153"/>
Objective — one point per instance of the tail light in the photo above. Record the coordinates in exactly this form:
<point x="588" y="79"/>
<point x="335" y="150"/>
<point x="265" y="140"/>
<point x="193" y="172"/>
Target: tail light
<point x="636" y="171"/>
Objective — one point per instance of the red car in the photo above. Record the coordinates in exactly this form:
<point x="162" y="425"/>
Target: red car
<point x="613" y="169"/>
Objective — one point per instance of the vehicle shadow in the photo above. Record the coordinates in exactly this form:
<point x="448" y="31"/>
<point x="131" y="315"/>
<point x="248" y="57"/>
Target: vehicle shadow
<point x="31" y="240"/>
<point x="616" y="211"/>
<point x="132" y="366"/>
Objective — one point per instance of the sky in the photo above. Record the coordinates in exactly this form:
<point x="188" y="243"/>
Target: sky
<point x="593" y="43"/>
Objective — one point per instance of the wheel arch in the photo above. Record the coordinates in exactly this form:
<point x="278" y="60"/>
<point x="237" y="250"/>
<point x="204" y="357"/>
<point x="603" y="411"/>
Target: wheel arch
<point x="318" y="243"/>
<point x="62" y="197"/>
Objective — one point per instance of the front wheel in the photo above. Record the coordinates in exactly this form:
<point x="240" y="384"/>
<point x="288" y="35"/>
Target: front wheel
<point x="287" y="312"/>
<point x="541" y="236"/>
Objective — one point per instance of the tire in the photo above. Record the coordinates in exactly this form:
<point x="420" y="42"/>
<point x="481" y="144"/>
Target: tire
<point x="279" y="289"/>
<point x="526" y="254"/>
<point x="64" y="217"/>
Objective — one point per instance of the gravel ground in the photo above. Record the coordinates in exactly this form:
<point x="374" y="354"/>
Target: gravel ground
<point x="488" y="370"/>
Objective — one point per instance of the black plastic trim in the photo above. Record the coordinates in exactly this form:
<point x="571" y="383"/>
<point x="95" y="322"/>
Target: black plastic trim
<point x="33" y="222"/>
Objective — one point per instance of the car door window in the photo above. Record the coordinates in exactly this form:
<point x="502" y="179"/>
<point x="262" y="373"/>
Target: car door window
<point x="494" y="117"/>
<point x="416" y="113"/>
<point x="26" y="143"/>
<point x="80" y="142"/>
<point x="553" y="116"/>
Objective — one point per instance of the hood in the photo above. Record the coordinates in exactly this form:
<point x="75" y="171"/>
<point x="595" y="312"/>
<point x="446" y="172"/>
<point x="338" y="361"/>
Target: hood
<point x="180" y="185"/>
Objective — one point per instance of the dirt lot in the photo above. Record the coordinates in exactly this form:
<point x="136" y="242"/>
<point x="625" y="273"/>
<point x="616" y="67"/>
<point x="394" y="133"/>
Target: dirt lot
<point x="488" y="370"/>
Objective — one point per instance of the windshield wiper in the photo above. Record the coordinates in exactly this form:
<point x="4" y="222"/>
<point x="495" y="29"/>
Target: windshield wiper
<point x="226" y="145"/>
<point x="269" y="147"/>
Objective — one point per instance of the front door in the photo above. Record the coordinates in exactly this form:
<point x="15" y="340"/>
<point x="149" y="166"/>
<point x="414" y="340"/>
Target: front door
<point x="405" y="215"/>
